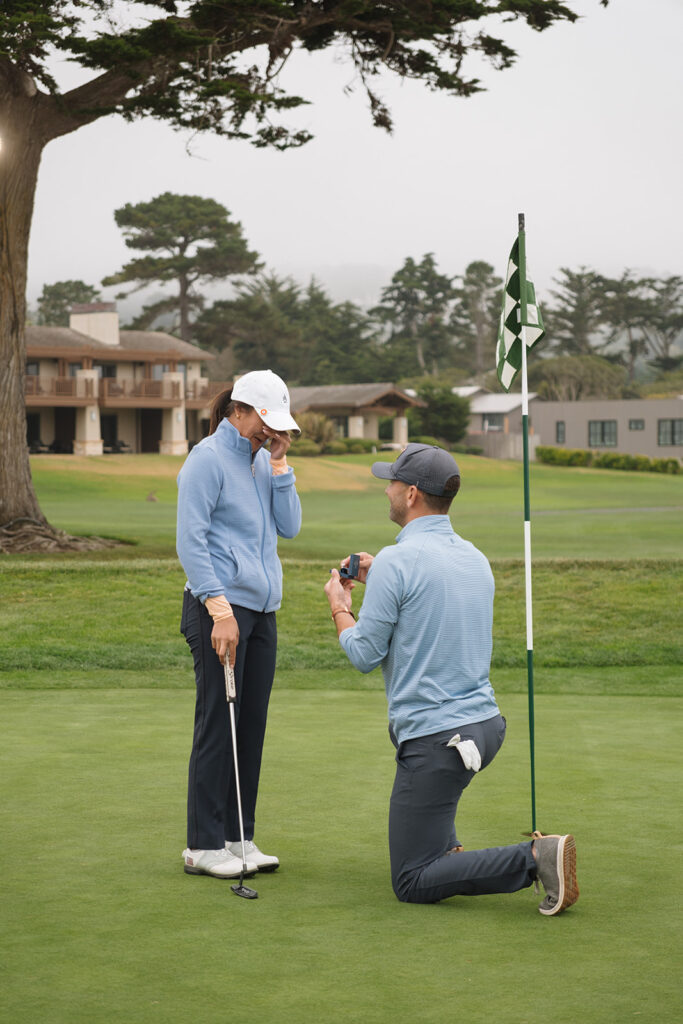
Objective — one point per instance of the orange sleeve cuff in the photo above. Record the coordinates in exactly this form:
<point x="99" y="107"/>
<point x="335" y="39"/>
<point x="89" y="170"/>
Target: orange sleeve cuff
<point x="219" y="608"/>
<point x="279" y="466"/>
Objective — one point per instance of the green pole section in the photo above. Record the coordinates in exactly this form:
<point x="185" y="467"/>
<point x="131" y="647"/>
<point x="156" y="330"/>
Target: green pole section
<point x="530" y="679"/>
<point x="521" y="248"/>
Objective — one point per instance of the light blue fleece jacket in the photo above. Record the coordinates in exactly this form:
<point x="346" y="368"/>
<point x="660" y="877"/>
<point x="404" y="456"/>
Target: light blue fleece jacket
<point x="231" y="510"/>
<point x="427" y="619"/>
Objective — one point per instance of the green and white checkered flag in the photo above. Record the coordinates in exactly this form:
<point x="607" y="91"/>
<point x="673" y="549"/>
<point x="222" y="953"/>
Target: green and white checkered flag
<point x="509" y="351"/>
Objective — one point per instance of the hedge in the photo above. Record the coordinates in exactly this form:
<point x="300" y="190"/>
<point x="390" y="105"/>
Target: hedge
<point x="425" y="439"/>
<point x="606" y="460"/>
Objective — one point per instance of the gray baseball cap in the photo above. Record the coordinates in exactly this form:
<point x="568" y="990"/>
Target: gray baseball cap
<point x="424" y="465"/>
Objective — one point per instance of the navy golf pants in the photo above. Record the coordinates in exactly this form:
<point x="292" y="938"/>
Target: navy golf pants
<point x="212" y="816"/>
<point x="430" y="779"/>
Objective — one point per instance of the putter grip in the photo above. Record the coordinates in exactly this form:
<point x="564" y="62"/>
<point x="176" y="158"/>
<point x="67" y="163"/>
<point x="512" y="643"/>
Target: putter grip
<point x="230" y="688"/>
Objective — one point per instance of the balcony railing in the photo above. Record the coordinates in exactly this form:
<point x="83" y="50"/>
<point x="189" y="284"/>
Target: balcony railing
<point x="60" y="390"/>
<point x="120" y="391"/>
<point x="202" y="391"/>
<point x="114" y="391"/>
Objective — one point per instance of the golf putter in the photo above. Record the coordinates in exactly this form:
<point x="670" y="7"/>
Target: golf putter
<point x="231" y="695"/>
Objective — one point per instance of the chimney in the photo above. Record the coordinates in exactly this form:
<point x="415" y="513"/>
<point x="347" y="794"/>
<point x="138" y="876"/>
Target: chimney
<point x="98" y="320"/>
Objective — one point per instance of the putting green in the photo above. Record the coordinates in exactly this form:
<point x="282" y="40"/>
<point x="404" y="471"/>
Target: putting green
<point x="102" y="925"/>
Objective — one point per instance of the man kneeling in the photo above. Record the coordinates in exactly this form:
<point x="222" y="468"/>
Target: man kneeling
<point x="427" y="619"/>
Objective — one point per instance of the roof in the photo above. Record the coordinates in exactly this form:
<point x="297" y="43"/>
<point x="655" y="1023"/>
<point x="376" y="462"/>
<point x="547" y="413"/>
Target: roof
<point x="467" y="390"/>
<point x="60" y="342"/>
<point x="356" y="396"/>
<point x="59" y="337"/>
<point x="497" y="403"/>
<point x="157" y="341"/>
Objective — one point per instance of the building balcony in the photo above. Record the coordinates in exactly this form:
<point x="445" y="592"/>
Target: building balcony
<point x="110" y="393"/>
<point x="201" y="392"/>
<point x="146" y="394"/>
<point x="46" y="391"/>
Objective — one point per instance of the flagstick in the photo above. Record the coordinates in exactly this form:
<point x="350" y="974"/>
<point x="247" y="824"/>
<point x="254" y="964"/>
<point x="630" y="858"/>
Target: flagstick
<point x="527" y="515"/>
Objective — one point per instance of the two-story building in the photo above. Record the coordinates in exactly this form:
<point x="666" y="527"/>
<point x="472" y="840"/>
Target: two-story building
<point x="91" y="387"/>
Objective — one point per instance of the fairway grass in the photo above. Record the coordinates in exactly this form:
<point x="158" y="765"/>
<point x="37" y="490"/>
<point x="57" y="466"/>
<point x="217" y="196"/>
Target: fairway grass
<point x="576" y="513"/>
<point x="102" y="925"/>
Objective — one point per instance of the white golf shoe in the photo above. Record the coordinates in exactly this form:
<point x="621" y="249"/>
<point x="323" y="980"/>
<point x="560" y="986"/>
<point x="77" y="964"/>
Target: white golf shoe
<point x="219" y="863"/>
<point x="263" y="861"/>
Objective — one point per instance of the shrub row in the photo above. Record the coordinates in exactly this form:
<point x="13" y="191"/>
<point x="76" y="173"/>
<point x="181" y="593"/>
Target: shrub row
<point x="466" y="449"/>
<point x="360" y="445"/>
<point x="605" y="460"/>
<point x="340" y="446"/>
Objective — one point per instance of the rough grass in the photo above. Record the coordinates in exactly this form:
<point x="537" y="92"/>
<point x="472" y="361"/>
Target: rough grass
<point x="88" y="619"/>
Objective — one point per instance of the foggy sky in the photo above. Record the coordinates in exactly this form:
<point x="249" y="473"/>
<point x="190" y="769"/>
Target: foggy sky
<point x="583" y="135"/>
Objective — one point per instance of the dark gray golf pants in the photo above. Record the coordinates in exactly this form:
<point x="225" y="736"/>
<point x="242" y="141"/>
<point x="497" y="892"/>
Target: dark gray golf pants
<point x="430" y="779"/>
<point x="211" y="794"/>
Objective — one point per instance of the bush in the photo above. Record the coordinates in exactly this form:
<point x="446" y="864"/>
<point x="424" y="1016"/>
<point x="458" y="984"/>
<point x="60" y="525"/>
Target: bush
<point x="613" y="460"/>
<point x="563" y="456"/>
<point x="316" y="427"/>
<point x="335" y="448"/>
<point x="304" y="447"/>
<point x="665" y="466"/>
<point x="425" y="439"/>
<point x="606" y="460"/>
<point x="357" y="445"/>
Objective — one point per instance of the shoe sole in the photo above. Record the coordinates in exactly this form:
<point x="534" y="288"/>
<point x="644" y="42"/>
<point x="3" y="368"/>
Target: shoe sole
<point x="267" y="868"/>
<point x="566" y="871"/>
<point x="200" y="871"/>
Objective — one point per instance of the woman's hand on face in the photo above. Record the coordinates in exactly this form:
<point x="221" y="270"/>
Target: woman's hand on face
<point x="225" y="637"/>
<point x="279" y="442"/>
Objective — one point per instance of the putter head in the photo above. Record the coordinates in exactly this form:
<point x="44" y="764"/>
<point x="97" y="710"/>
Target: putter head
<point x="244" y="891"/>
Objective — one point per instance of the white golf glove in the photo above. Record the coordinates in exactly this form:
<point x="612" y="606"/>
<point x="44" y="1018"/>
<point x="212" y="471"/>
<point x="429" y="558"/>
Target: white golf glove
<point x="468" y="750"/>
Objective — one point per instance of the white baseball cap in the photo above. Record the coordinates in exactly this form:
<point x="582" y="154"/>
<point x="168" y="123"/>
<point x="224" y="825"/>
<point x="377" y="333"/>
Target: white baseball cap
<point x="269" y="396"/>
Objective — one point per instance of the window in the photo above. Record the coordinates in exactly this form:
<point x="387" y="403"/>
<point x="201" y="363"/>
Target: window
<point x="492" y="421"/>
<point x="32" y="369"/>
<point x="602" y="433"/>
<point x="669" y="432"/>
<point x="106" y="371"/>
<point x="636" y="424"/>
<point x="74" y="368"/>
<point x="158" y="370"/>
<point x="560" y="432"/>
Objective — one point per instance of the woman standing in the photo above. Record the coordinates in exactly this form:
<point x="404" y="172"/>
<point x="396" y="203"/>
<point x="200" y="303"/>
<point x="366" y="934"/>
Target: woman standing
<point x="234" y="499"/>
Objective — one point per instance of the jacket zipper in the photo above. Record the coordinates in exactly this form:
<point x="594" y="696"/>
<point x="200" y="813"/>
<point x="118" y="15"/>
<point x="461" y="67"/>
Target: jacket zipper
<point x="263" y="531"/>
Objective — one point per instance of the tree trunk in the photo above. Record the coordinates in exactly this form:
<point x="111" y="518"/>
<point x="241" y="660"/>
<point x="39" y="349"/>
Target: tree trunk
<point x="22" y="145"/>
<point x="184" y="305"/>
<point x="419" y="351"/>
<point x="29" y="119"/>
